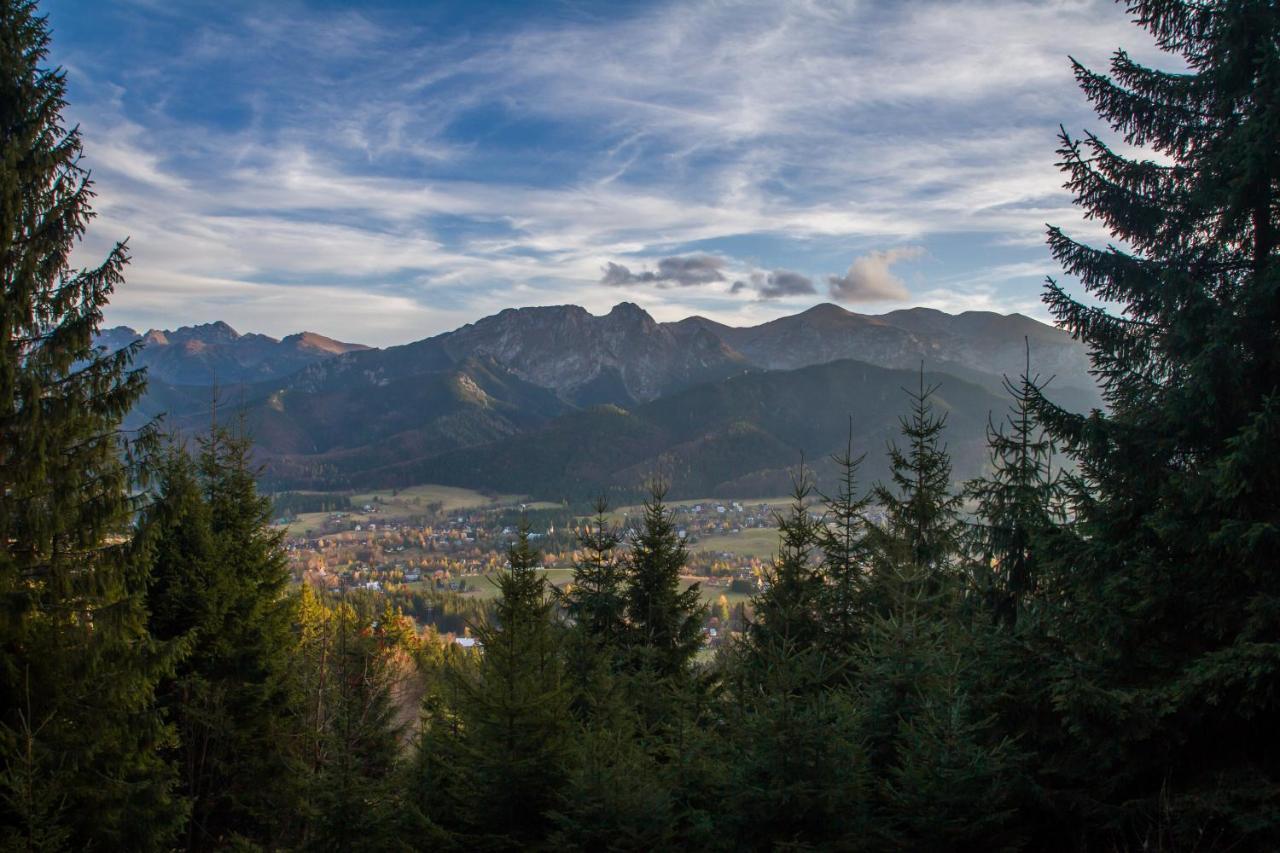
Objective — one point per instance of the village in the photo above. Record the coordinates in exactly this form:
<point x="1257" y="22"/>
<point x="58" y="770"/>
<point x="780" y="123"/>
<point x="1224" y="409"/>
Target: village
<point x="408" y="548"/>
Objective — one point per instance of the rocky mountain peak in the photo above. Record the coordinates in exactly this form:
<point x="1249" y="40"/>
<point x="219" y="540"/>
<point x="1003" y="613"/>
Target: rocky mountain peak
<point x="216" y="332"/>
<point x="629" y="312"/>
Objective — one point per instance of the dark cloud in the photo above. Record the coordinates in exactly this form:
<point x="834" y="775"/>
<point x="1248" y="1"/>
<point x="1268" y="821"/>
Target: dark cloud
<point x="774" y="285"/>
<point x="681" y="271"/>
<point x="786" y="283"/>
<point x="870" y="278"/>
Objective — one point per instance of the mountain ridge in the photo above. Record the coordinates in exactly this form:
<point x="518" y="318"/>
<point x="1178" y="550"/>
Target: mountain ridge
<point x="215" y="353"/>
<point x="350" y="414"/>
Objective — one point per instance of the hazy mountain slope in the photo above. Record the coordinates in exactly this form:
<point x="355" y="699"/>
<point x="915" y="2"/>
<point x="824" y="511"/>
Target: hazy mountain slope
<point x="735" y="436"/>
<point x="365" y="425"/>
<point x="977" y="340"/>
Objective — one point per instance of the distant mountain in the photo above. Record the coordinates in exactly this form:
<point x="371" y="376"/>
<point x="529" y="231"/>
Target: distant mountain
<point x="560" y="397"/>
<point x="332" y="433"/>
<point x="216" y="354"/>
<point x="981" y="341"/>
<point x="623" y="357"/>
<point x="740" y="436"/>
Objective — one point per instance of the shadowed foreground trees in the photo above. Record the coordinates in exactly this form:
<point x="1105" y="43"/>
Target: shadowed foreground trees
<point x="81" y="738"/>
<point x="1081" y="656"/>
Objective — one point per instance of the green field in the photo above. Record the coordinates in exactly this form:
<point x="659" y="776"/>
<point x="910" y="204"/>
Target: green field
<point x="485" y="588"/>
<point x="711" y="594"/>
<point x="401" y="504"/>
<point x="418" y="498"/>
<point x="753" y="542"/>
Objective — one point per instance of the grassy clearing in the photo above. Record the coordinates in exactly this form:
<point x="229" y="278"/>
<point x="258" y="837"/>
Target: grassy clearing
<point x="418" y="498"/>
<point x="402" y="504"/>
<point x="754" y="542"/>
<point x="711" y="594"/>
<point x="485" y="588"/>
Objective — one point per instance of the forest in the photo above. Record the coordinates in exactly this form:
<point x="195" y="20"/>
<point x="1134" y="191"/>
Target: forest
<point x="1077" y="650"/>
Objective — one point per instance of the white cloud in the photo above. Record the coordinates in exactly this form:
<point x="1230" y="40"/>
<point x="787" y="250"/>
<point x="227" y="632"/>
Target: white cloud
<point x="871" y="279"/>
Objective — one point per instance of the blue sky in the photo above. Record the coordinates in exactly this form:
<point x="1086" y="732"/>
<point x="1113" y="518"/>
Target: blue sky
<point x="382" y="171"/>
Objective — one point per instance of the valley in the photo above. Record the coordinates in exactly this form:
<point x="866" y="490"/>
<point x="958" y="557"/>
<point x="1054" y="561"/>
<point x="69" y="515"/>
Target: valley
<point x="449" y="543"/>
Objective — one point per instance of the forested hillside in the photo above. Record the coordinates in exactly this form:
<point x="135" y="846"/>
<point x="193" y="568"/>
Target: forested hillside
<point x="1075" y="648"/>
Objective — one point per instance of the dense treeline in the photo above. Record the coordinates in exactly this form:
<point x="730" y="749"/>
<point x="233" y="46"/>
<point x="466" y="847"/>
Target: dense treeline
<point x="1077" y="651"/>
<point x="295" y="503"/>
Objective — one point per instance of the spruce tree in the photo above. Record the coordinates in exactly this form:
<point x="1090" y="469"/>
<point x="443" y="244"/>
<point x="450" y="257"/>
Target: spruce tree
<point x="595" y="607"/>
<point x="615" y="795"/>
<point x="80" y="738"/>
<point x="797" y="770"/>
<point x="515" y="709"/>
<point x="595" y="602"/>
<point x="1172" y="598"/>
<point x="218" y="582"/>
<point x="1171" y="592"/>
<point x="354" y="803"/>
<point x="921" y="533"/>
<point x="846" y="556"/>
<point x="1019" y="501"/>
<point x="665" y="621"/>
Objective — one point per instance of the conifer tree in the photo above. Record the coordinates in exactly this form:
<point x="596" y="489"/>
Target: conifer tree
<point x="665" y="621"/>
<point x="354" y="804"/>
<point x="921" y="533"/>
<point x="515" y="708"/>
<point x="596" y="609"/>
<point x="219" y="580"/>
<point x="615" y="795"/>
<point x="787" y="610"/>
<point x="846" y="556"/>
<point x="440" y="782"/>
<point x="1021" y="499"/>
<point x="80" y="738"/>
<point x="1170" y="687"/>
<point x="596" y="601"/>
<point x="797" y="769"/>
<point x="664" y="635"/>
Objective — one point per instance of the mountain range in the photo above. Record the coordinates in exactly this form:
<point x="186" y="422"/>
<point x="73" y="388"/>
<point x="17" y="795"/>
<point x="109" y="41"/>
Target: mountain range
<point x="558" y="402"/>
<point x="215" y="353"/>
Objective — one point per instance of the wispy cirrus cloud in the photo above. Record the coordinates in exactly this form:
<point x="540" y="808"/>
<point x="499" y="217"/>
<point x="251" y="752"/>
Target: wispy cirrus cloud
<point x="441" y="163"/>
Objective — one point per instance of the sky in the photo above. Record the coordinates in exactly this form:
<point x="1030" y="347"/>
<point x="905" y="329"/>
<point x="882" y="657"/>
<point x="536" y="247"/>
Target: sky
<point x="383" y="171"/>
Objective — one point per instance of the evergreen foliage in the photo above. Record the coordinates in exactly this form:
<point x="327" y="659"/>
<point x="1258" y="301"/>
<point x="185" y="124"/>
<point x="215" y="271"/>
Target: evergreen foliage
<point x="218" y="581"/>
<point x="1169" y="586"/>
<point x="353" y="737"/>
<point x="80" y="739"/>
<point x="1020" y="499"/>
<point x="1088" y="663"/>
<point x="665" y="621"/>
<point x="514" y="710"/>
<point x="845" y="541"/>
<point x="595" y="608"/>
<point x="797" y="766"/>
<point x="921" y="531"/>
